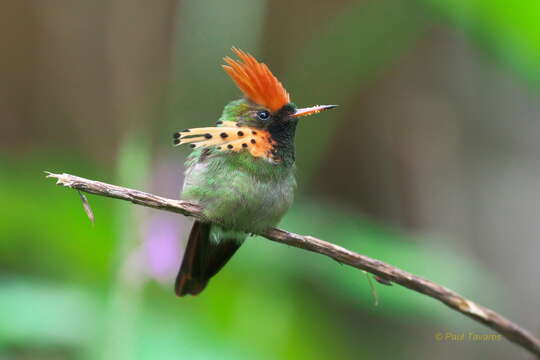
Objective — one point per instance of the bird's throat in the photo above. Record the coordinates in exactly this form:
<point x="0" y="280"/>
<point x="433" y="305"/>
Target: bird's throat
<point x="282" y="134"/>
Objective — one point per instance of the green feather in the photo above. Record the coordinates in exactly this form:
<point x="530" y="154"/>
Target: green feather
<point x="238" y="191"/>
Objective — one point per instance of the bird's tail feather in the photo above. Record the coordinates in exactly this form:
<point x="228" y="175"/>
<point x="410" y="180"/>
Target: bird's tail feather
<point x="203" y="258"/>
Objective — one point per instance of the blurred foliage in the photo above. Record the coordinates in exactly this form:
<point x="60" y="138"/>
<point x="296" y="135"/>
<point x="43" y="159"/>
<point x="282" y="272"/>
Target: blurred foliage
<point x="508" y="32"/>
<point x="389" y="26"/>
<point x="68" y="289"/>
<point x="66" y="264"/>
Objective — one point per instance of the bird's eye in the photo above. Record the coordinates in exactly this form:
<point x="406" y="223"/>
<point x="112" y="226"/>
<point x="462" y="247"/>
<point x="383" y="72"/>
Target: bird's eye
<point x="263" y="115"/>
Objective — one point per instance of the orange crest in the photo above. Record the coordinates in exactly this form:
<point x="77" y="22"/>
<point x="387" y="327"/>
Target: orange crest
<point x="256" y="81"/>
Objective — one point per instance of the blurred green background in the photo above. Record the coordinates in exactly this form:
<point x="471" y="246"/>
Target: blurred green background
<point x="430" y="164"/>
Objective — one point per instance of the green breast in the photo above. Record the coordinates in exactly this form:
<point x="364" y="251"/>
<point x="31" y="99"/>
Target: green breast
<point x="237" y="190"/>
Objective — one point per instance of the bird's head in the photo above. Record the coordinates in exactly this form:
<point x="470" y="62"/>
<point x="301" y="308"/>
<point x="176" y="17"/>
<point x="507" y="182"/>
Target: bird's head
<point x="262" y="122"/>
<point x="266" y="103"/>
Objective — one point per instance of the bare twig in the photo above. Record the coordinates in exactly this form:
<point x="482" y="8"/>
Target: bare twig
<point x="385" y="271"/>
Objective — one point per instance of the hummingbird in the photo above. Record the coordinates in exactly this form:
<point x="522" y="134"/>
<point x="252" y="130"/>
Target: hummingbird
<point x="241" y="171"/>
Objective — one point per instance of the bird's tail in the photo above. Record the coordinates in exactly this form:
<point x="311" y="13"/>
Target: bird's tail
<point x="208" y="250"/>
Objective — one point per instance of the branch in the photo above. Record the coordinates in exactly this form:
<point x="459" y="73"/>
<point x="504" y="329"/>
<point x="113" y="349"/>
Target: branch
<point x="385" y="271"/>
